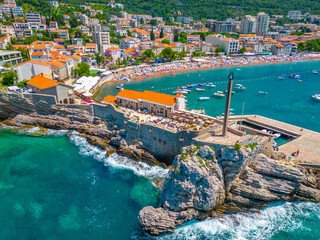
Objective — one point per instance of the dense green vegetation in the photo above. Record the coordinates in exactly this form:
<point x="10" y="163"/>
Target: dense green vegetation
<point x="199" y="9"/>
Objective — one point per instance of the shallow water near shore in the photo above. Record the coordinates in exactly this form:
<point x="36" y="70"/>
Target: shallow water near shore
<point x="56" y="186"/>
<point x="288" y="100"/>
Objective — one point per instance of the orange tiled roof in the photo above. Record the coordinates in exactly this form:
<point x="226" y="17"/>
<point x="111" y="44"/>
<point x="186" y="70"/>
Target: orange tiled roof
<point x="57" y="64"/>
<point x="37" y="53"/>
<point x="110" y="99"/>
<point x="42" y="82"/>
<point x="150" y="96"/>
<point x="76" y="56"/>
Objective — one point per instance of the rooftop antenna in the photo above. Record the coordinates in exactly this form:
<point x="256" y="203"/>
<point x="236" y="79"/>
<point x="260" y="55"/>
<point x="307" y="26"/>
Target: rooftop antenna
<point x="227" y="107"/>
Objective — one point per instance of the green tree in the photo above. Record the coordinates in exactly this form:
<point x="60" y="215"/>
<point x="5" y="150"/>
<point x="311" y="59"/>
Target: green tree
<point x="54" y="35"/>
<point x="73" y="21"/>
<point x="9" y="77"/>
<point x="161" y="33"/>
<point x="153" y="22"/>
<point x="168" y="53"/>
<point x="148" y="54"/>
<point x="219" y="49"/>
<point x="82" y="69"/>
<point x="165" y="41"/>
<point x="141" y="21"/>
<point x="24" y="54"/>
<point x="242" y="50"/>
<point x="175" y="37"/>
<point x="301" y="47"/>
<point x="152" y="36"/>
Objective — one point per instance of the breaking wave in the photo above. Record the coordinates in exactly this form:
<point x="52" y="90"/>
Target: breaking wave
<point x="288" y="220"/>
<point x="116" y="161"/>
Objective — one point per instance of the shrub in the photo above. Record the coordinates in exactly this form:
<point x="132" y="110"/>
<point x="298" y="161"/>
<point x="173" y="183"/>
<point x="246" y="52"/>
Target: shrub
<point x="237" y="146"/>
<point x="251" y="146"/>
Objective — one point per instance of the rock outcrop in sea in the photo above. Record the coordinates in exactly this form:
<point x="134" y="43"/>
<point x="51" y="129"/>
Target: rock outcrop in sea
<point x="203" y="182"/>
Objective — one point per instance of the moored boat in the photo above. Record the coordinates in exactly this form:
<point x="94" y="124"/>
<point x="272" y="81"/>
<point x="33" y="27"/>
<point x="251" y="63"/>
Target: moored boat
<point x="240" y="87"/>
<point x="200" y="89"/>
<point x="295" y="76"/>
<point x="316" y="97"/>
<point x="211" y="85"/>
<point x="281" y="78"/>
<point x="218" y="94"/>
<point x="232" y="92"/>
<point x="263" y="93"/>
<point x="314" y="71"/>
<point x="203" y="98"/>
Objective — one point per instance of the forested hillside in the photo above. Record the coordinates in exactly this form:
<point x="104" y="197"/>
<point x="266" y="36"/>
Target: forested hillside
<point x="202" y="9"/>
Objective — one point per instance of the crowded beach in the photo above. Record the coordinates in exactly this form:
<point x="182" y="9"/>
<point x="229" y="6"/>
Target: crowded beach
<point x="145" y="71"/>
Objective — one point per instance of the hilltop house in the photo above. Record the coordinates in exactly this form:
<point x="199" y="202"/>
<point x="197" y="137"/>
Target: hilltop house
<point x="153" y="102"/>
<point x="43" y="84"/>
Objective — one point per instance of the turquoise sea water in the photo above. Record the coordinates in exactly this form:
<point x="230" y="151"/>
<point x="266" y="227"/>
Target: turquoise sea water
<point x="58" y="187"/>
<point x="288" y="100"/>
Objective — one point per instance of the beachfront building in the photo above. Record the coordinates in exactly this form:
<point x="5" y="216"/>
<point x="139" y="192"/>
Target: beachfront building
<point x="229" y="45"/>
<point x="113" y="52"/>
<point x="43" y="84"/>
<point x="249" y="24"/>
<point x="152" y="102"/>
<point x="263" y="22"/>
<point x="221" y="26"/>
<point x="27" y="70"/>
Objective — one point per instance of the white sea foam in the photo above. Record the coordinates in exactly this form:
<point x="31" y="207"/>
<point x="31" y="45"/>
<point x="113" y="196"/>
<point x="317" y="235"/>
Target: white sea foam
<point x="32" y="130"/>
<point x="285" y="217"/>
<point x="116" y="161"/>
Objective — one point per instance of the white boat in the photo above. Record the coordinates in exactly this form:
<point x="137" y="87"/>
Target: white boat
<point x="264" y="130"/>
<point x="314" y="72"/>
<point x="240" y="87"/>
<point x="275" y="144"/>
<point x="263" y="93"/>
<point x="181" y="91"/>
<point x="203" y="98"/>
<point x="295" y="76"/>
<point x="218" y="94"/>
<point x="200" y="89"/>
<point x="276" y="135"/>
<point x="281" y="78"/>
<point x="211" y="85"/>
<point x="316" y="97"/>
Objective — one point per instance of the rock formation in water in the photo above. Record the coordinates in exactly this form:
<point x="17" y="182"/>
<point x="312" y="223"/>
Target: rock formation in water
<point x="202" y="181"/>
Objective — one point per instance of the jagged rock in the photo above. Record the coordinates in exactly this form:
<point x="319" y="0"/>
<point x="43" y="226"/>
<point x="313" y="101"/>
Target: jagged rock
<point x="157" y="220"/>
<point x="194" y="185"/>
<point x="278" y="155"/>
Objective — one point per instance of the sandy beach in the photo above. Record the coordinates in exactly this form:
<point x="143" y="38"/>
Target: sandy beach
<point x="143" y="72"/>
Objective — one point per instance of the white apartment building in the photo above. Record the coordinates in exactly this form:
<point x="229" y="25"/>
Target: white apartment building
<point x="249" y="24"/>
<point x="101" y="38"/>
<point x="229" y="45"/>
<point x="84" y="19"/>
<point x="33" y="18"/>
<point x="295" y="15"/>
<point x="263" y="20"/>
<point x="129" y="42"/>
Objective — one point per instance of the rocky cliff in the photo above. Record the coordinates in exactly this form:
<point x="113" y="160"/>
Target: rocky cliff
<point x="202" y="182"/>
<point x="21" y="111"/>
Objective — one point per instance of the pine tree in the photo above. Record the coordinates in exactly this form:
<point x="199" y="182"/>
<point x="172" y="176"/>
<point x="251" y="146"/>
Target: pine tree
<point x="152" y="36"/>
<point x="161" y="33"/>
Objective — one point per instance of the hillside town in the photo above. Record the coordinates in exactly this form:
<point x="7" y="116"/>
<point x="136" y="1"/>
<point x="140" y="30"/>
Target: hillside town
<point x="87" y="48"/>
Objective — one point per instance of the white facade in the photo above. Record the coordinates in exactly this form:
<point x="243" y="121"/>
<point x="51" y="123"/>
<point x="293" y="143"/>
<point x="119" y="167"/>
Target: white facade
<point x="30" y="69"/>
<point x="229" y="45"/>
<point x="33" y="18"/>
<point x="263" y="20"/>
<point x="249" y="24"/>
<point x="101" y="38"/>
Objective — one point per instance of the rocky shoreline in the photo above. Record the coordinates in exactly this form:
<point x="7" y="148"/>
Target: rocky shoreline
<point x="203" y="182"/>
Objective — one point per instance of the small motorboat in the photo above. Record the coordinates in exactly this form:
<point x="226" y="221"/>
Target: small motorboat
<point x="211" y="85"/>
<point x="263" y="93"/>
<point x="314" y="72"/>
<point x="120" y="86"/>
<point x="240" y="87"/>
<point x="295" y="76"/>
<point x="203" y="98"/>
<point x="276" y="135"/>
<point x="200" y="84"/>
<point x="218" y="94"/>
<point x="200" y="89"/>
<point x="281" y="78"/>
<point x="316" y="97"/>
<point x="264" y="130"/>
<point x="189" y="86"/>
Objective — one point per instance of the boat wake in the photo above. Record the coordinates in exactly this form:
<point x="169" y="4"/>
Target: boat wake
<point x="117" y="162"/>
<point x="280" y="221"/>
